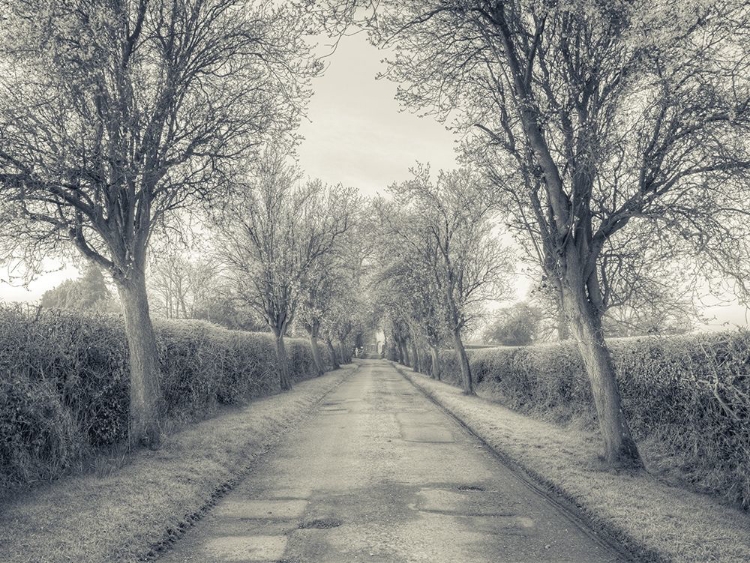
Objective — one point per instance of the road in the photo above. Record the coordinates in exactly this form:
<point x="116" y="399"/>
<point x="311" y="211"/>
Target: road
<point x="380" y="474"/>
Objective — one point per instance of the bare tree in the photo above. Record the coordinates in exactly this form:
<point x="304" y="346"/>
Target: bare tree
<point x="184" y="282"/>
<point x="449" y="232"/>
<point x="408" y="294"/>
<point x="595" y="117"/>
<point x="113" y="114"/>
<point x="273" y="236"/>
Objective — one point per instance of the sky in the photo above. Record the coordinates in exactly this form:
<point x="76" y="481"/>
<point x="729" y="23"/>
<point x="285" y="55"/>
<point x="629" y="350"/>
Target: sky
<point x="356" y="134"/>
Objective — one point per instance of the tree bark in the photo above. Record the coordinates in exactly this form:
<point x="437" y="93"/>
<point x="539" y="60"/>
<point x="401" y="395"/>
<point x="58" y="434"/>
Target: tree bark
<point x="407" y="360"/>
<point x="344" y="358"/>
<point x="435" y="363"/>
<point x="620" y="449"/>
<point x="332" y="353"/>
<point x="316" y="354"/>
<point x="145" y="393"/>
<point x="284" y="380"/>
<point x="466" y="383"/>
<point x="563" y="328"/>
<point x="415" y="356"/>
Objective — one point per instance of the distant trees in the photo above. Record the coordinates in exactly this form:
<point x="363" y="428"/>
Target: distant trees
<point x="88" y="293"/>
<point x="185" y="287"/>
<point x="275" y="237"/>
<point x="517" y="325"/>
<point x="596" y="121"/>
<point x="444" y="231"/>
<point x="114" y="114"/>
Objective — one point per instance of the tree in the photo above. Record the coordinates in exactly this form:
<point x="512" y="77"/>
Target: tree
<point x="517" y="325"/>
<point x="184" y="286"/>
<point x="87" y="293"/>
<point x="594" y="118"/>
<point x="319" y="292"/>
<point x="448" y="231"/>
<point x="409" y="295"/>
<point x="273" y="236"/>
<point x="113" y="114"/>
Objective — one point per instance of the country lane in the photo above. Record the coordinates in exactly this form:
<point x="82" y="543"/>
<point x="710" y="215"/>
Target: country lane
<point x="380" y="474"/>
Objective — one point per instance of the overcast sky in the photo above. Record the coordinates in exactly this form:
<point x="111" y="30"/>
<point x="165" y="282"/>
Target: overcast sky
<point x="357" y="135"/>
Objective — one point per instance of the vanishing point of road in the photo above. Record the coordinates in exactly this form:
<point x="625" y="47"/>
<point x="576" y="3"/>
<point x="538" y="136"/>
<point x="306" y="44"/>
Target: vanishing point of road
<point x="381" y="474"/>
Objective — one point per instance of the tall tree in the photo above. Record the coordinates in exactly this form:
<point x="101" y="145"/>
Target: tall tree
<point x="114" y="113"/>
<point x="273" y="236"/>
<point x="407" y="290"/>
<point x="594" y="117"/>
<point x="448" y="231"/>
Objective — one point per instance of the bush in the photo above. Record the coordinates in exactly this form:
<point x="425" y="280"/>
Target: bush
<point x="690" y="394"/>
<point x="64" y="382"/>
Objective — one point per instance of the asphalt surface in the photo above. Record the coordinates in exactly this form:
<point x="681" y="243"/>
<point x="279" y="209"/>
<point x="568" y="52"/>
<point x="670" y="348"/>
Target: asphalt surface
<point x="380" y="474"/>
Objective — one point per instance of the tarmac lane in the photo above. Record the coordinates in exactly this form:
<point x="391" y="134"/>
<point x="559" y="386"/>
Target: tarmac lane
<point x="381" y="474"/>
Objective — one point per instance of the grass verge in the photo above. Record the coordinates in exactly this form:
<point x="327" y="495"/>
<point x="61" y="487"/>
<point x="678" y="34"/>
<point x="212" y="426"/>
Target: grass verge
<point x="130" y="513"/>
<point x="653" y="520"/>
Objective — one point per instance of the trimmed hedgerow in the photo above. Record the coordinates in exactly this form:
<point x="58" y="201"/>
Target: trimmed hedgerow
<point x="690" y="394"/>
<point x="64" y="382"/>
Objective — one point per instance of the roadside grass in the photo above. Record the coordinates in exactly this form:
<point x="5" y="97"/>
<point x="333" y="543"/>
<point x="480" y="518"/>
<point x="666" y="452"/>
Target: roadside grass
<point x="652" y="519"/>
<point x="126" y="508"/>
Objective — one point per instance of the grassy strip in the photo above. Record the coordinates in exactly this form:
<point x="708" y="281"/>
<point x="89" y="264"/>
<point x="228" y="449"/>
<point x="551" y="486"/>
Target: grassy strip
<point x="156" y="495"/>
<point x="651" y="519"/>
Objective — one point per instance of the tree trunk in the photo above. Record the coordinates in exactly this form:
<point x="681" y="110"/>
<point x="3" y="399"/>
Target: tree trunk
<point x="284" y="381"/>
<point x="415" y="356"/>
<point x="407" y="360"/>
<point x="145" y="394"/>
<point x="563" y="328"/>
<point x="342" y="353"/>
<point x="332" y="353"/>
<point x="620" y="449"/>
<point x="435" y="363"/>
<point x="466" y="383"/>
<point x="316" y="354"/>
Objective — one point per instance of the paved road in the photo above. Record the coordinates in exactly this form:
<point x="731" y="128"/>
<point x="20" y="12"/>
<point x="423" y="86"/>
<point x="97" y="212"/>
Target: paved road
<point x="380" y="474"/>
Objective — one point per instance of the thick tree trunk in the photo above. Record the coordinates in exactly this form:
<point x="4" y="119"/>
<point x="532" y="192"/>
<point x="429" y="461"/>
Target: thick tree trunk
<point x="620" y="449"/>
<point x="145" y="393"/>
<point x="284" y="380"/>
<point x="466" y="383"/>
<point x="415" y="356"/>
<point x="332" y="353"/>
<point x="316" y="354"/>
<point x="342" y="352"/>
<point x="435" y="363"/>
<point x="405" y="348"/>
<point x="563" y="327"/>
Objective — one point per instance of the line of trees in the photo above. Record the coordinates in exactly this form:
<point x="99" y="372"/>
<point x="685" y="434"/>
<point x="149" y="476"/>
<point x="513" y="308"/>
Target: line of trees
<point x="114" y="115"/>
<point x="615" y="132"/>
<point x="439" y="261"/>
<point x="281" y="240"/>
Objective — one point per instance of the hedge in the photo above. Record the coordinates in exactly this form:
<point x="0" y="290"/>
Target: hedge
<point x="64" y="383"/>
<point x="689" y="394"/>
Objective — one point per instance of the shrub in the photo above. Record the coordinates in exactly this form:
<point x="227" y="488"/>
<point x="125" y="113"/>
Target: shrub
<point x="64" y="382"/>
<point x="690" y="394"/>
